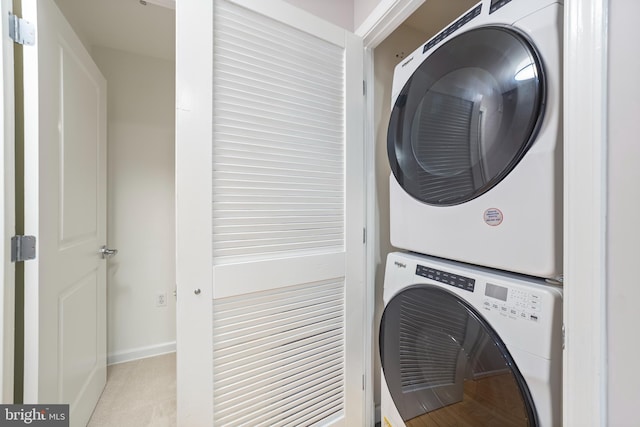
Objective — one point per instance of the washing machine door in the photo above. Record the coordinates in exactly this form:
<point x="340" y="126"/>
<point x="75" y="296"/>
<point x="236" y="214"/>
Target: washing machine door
<point x="443" y="363"/>
<point x="467" y="116"/>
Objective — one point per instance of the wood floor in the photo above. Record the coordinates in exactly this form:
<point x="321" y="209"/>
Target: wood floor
<point x="143" y="393"/>
<point x="138" y="394"/>
<point x="489" y="402"/>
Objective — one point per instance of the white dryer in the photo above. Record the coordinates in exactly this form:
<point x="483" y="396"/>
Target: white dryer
<point x="475" y="140"/>
<point x="463" y="345"/>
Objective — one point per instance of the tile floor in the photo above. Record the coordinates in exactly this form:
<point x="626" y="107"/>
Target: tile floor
<point x="139" y="393"/>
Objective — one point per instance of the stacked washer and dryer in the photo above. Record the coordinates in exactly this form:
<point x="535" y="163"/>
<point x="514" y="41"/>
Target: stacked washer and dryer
<point x="471" y="333"/>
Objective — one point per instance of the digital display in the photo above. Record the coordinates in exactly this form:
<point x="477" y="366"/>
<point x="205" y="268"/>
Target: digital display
<point x="497" y="292"/>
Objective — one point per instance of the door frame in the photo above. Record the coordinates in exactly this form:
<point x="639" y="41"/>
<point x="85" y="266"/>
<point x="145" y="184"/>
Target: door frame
<point x="585" y="160"/>
<point x="7" y="212"/>
<point x="585" y="384"/>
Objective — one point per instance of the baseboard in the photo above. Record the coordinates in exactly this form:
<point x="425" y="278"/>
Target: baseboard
<point x="141" y="353"/>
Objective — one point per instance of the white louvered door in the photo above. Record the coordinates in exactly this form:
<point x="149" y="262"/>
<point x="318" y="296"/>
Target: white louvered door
<point x="285" y="343"/>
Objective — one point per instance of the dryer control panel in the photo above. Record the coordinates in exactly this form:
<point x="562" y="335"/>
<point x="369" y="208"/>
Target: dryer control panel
<point x="511" y="302"/>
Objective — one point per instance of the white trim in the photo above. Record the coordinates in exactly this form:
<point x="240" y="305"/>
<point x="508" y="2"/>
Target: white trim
<point x="371" y="236"/>
<point x="7" y="213"/>
<point x="357" y="343"/>
<point x="194" y="246"/>
<point x="31" y="189"/>
<point x="385" y="19"/>
<point x="585" y="196"/>
<point x="141" y="353"/>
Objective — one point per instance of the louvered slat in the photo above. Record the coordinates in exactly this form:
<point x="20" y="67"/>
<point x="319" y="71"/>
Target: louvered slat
<point x="279" y="135"/>
<point x="309" y="383"/>
<point x="323" y="352"/>
<point x="279" y="356"/>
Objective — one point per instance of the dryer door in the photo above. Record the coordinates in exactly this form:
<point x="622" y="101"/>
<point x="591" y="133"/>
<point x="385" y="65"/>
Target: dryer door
<point x="467" y="116"/>
<point x="443" y="363"/>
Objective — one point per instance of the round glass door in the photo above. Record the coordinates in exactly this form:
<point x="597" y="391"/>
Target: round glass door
<point x="443" y="363"/>
<point x="467" y="116"/>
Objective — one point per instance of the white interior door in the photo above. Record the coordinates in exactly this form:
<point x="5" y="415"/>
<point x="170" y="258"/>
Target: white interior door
<point x="65" y="208"/>
<point x="270" y="216"/>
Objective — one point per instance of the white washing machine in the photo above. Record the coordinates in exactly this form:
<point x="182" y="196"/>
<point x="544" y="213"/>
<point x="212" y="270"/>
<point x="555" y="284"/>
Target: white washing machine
<point x="475" y="140"/>
<point x="466" y="345"/>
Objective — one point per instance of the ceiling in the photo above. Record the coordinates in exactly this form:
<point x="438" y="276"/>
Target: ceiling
<point x="130" y="26"/>
<point x="126" y="25"/>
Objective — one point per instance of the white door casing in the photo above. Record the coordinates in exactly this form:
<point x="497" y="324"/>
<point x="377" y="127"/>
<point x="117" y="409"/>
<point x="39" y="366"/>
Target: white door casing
<point x="270" y="257"/>
<point x="65" y="208"/>
<point x="586" y="63"/>
<point x="7" y="210"/>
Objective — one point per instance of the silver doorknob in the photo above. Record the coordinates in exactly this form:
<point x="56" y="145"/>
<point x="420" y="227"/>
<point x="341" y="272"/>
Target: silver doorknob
<point x="106" y="252"/>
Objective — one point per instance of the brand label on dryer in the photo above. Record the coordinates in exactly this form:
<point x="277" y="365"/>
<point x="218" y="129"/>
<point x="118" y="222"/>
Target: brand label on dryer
<point x="493" y="217"/>
<point x="407" y="62"/>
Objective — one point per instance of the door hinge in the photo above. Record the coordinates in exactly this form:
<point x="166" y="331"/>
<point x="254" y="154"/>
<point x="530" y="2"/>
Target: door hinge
<point x="364" y="236"/>
<point x="563" y="336"/>
<point x="21" y="31"/>
<point x="364" y="88"/>
<point x="363" y="383"/>
<point x="23" y="248"/>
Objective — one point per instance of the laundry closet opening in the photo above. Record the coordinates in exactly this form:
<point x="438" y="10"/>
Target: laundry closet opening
<point x="133" y="45"/>
<point x="424" y="23"/>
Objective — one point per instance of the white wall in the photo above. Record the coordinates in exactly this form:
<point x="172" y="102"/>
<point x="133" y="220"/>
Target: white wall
<point x="339" y="12"/>
<point x="141" y="219"/>
<point x="623" y="208"/>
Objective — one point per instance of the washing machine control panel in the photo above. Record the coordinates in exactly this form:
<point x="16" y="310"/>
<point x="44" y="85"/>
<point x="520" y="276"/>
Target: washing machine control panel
<point x="512" y="302"/>
<point x="456" y="280"/>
